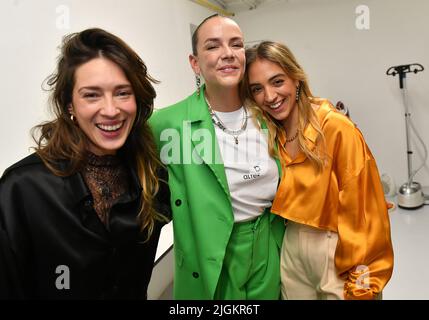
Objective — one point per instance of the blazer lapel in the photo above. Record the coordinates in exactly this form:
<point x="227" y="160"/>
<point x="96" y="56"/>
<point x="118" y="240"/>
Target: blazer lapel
<point x="201" y="132"/>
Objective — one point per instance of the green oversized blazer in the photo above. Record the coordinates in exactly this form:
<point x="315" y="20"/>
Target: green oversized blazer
<point x="202" y="213"/>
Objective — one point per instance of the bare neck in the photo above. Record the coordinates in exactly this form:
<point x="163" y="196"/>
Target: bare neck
<point x="224" y="99"/>
<point x="290" y="124"/>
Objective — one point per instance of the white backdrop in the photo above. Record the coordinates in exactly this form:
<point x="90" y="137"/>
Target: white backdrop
<point x="31" y="31"/>
<point x="342" y="61"/>
<point x="345" y="62"/>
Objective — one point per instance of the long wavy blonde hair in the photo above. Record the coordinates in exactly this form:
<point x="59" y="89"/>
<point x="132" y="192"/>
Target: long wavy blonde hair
<point x="281" y="55"/>
<point x="62" y="140"/>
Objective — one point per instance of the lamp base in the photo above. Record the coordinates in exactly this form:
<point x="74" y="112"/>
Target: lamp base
<point x="410" y="196"/>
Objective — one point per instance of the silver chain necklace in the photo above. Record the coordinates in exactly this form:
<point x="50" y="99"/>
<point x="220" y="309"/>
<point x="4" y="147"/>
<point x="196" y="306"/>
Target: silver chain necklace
<point x="219" y="123"/>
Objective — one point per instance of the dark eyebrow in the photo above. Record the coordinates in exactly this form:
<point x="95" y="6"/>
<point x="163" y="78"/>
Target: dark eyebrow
<point x="270" y="79"/>
<point x="95" y="88"/>
<point x="124" y="86"/>
<point x="89" y="88"/>
<point x="275" y="76"/>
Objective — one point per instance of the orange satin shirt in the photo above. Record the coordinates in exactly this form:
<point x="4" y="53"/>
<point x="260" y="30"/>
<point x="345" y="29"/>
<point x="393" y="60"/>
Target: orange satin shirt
<point x="346" y="197"/>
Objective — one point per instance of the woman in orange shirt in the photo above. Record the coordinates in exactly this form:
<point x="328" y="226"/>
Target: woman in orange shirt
<point x="337" y="243"/>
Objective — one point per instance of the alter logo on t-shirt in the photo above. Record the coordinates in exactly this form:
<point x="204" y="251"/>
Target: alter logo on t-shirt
<point x="255" y="172"/>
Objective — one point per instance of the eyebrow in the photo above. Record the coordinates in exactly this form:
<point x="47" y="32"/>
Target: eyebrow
<point x="270" y="79"/>
<point x="95" y="88"/>
<point x="218" y="39"/>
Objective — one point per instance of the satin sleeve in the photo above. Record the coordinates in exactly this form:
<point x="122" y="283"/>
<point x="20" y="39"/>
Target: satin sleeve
<point x="364" y="255"/>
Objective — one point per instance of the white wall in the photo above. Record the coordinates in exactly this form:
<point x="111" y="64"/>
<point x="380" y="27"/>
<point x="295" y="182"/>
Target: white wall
<point x="344" y="63"/>
<point x="30" y="35"/>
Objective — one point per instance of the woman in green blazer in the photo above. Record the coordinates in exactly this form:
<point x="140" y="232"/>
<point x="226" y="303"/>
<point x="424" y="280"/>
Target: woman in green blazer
<point x="221" y="177"/>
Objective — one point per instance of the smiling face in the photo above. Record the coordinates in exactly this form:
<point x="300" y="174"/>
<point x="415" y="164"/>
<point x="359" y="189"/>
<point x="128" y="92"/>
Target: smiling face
<point x="220" y="53"/>
<point x="103" y="104"/>
<point x="272" y="90"/>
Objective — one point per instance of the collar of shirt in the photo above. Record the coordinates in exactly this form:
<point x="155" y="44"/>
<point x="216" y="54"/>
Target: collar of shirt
<point x="310" y="135"/>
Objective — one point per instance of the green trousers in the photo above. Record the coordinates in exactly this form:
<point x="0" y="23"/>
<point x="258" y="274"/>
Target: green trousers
<point x="251" y="268"/>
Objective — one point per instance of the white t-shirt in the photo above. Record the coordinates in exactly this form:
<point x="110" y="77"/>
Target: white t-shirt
<point x="251" y="173"/>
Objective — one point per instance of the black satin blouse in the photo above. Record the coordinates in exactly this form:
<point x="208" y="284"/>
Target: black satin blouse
<point x="54" y="246"/>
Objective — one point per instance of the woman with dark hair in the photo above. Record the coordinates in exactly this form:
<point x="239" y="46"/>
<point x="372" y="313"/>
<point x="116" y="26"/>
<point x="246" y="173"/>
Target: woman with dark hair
<point x="81" y="217"/>
<point x="337" y="241"/>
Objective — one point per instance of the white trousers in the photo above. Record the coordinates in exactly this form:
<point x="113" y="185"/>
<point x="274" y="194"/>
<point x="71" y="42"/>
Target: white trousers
<point x="307" y="265"/>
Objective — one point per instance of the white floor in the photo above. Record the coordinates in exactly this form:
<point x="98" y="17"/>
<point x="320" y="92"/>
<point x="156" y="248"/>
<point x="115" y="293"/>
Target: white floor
<point x="410" y="236"/>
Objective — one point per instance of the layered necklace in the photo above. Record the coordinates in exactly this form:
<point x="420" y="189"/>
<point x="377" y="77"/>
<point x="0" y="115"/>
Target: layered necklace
<point x="219" y="123"/>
